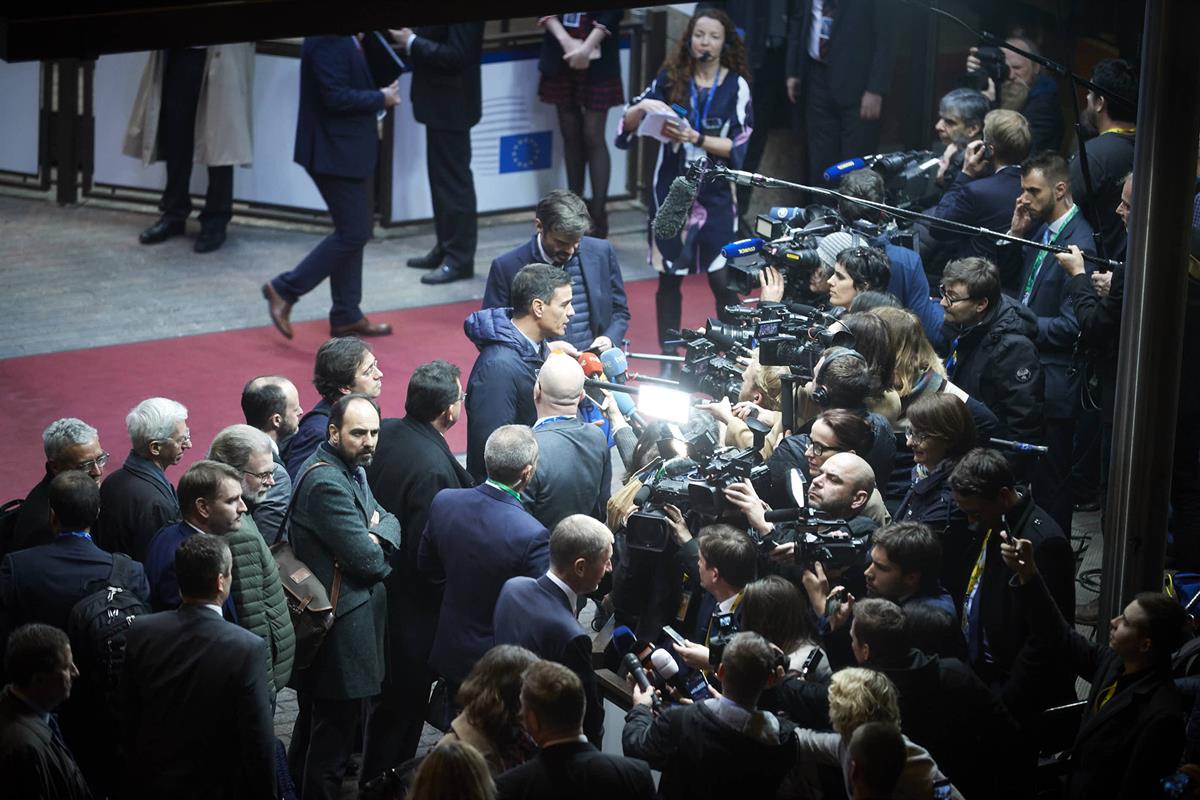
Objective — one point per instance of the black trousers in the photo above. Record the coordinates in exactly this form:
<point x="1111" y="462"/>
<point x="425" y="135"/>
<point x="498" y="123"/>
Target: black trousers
<point x="452" y="189"/>
<point x="1052" y="476"/>
<point x="834" y="132"/>
<point x="322" y="743"/>
<point x="769" y="90"/>
<point x="339" y="255"/>
<point x="182" y="76"/>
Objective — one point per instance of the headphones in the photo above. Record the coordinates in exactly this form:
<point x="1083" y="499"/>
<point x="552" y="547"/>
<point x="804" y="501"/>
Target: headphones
<point x="820" y="394"/>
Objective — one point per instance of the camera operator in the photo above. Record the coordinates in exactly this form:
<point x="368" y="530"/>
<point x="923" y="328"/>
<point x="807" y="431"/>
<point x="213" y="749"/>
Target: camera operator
<point x="726" y="561"/>
<point x="997" y="633"/>
<point x="759" y="398"/>
<point x="944" y="707"/>
<point x="722" y="747"/>
<point x="1026" y="89"/>
<point x="907" y="280"/>
<point x="984" y="192"/>
<point x="992" y="355"/>
<point x="842" y="379"/>
<point x="960" y="122"/>
<point x="1132" y="729"/>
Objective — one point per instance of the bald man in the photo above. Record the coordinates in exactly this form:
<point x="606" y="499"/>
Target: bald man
<point x="573" y="467"/>
<point x="842" y="487"/>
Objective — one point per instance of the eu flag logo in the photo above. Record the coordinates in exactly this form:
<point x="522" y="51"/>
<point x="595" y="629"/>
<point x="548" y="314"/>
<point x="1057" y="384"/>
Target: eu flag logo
<point x="526" y="151"/>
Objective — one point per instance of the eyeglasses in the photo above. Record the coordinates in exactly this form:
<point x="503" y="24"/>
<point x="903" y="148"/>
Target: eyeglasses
<point x="262" y="476"/>
<point x="93" y="463"/>
<point x="819" y="449"/>
<point x="916" y="437"/>
<point x="944" y="293"/>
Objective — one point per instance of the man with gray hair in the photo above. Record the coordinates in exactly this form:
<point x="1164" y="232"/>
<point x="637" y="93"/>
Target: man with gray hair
<point x="539" y="613"/>
<point x="475" y="540"/>
<point x="575" y="470"/>
<point x="257" y="592"/>
<point x="597" y="289"/>
<point x="249" y="450"/>
<point x="69" y="444"/>
<point x="137" y="500"/>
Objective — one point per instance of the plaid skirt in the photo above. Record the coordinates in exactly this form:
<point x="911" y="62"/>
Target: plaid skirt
<point x="573" y="87"/>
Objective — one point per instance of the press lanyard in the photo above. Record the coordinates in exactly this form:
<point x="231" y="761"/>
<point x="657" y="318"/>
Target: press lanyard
<point x="1041" y="256"/>
<point x="707" y="101"/>
<point x="76" y="534"/>
<point x="503" y="488"/>
<point x="1121" y="131"/>
<point x="547" y="420"/>
<point x="973" y="581"/>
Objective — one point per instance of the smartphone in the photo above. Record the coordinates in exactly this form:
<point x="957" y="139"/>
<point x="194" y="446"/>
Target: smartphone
<point x="697" y="686"/>
<point x="673" y="635"/>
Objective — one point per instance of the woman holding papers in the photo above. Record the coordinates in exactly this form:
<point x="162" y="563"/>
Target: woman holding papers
<point x="699" y="107"/>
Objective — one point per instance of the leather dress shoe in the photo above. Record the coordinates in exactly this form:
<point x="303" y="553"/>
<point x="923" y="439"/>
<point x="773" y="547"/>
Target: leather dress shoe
<point x="447" y="274"/>
<point x="209" y="240"/>
<point x="364" y="327"/>
<point x="430" y="260"/>
<point x="279" y="309"/>
<point x="161" y="231"/>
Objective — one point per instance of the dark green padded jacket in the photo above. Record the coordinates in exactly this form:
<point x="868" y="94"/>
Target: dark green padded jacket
<point x="259" y="598"/>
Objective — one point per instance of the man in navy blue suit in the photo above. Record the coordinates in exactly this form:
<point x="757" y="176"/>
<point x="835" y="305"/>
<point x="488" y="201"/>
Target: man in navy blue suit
<point x="337" y="143"/>
<point x="990" y="182"/>
<point x="475" y="540"/>
<point x="41" y="584"/>
<point x="539" y="613"/>
<point x="597" y="289"/>
<point x="1045" y="212"/>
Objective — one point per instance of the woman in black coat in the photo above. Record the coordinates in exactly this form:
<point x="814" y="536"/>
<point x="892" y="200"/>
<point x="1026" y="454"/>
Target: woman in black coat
<point x="940" y="431"/>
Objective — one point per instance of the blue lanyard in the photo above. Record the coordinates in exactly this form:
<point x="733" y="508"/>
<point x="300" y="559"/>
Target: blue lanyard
<point x="543" y="422"/>
<point x="76" y="534"/>
<point x="707" y="101"/>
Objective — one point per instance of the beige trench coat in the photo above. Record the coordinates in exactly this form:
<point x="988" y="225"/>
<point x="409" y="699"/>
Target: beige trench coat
<point x="224" y="114"/>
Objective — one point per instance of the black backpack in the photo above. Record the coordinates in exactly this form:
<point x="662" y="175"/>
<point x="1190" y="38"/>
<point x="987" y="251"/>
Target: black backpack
<point x="97" y="626"/>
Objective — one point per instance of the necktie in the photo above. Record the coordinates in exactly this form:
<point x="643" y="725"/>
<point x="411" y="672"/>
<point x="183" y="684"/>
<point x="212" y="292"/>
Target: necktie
<point x="828" y="12"/>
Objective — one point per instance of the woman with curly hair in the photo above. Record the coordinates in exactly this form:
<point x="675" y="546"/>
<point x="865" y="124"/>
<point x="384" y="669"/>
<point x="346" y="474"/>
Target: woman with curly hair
<point x="707" y="76"/>
<point x="490" y="699"/>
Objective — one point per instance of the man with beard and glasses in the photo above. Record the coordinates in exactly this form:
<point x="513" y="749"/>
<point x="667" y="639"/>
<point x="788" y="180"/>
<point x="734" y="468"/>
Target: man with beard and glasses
<point x="597" y="289"/>
<point x="342" y="535"/>
<point x="271" y="404"/>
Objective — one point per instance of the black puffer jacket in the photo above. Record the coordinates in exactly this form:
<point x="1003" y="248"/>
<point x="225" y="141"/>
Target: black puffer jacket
<point x="997" y="363"/>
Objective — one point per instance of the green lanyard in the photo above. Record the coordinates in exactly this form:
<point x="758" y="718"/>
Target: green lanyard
<point x="504" y="488"/>
<point x="1041" y="256"/>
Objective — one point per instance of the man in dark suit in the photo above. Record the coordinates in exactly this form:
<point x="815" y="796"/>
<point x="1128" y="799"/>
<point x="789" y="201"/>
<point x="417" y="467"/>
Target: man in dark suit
<point x="137" y="500"/>
<point x="574" y="469"/>
<point x="984" y="192"/>
<point x="1045" y="212"/>
<point x="839" y="58"/>
<point x="337" y="143"/>
<point x="210" y="497"/>
<point x="193" y="683"/>
<point x="42" y="584"/>
<point x="343" y="365"/>
<point x="997" y="633"/>
<point x="1132" y="731"/>
<point x="539" y="613"/>
<point x="597" y="289"/>
<point x="34" y="760"/>
<point x="69" y="444"/>
<point x="552" y="710"/>
<point x="272" y="404"/>
<point x="447" y="100"/>
<point x="475" y="540"/>
<point x="412" y="465"/>
<point x="346" y="539"/>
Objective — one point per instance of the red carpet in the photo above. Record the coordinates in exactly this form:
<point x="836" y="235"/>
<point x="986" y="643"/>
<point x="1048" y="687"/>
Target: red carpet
<point x="206" y="373"/>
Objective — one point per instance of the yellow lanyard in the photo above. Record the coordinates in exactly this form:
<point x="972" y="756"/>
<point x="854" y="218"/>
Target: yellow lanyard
<point x="1119" y="130"/>
<point x="1105" y="695"/>
<point x="973" y="581"/>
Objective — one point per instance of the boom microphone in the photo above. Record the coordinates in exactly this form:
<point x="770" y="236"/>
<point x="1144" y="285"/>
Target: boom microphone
<point x="676" y="206"/>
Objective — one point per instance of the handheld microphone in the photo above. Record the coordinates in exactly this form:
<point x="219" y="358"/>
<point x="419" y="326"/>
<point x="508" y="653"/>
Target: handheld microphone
<point x="745" y="247"/>
<point x="623" y="639"/>
<point x="592" y="368"/>
<point x="634" y="668"/>
<point x="786" y="213"/>
<point x="843" y="167"/>
<point x="615" y="364"/>
<point x="668" y="669"/>
<point x="676" y="206"/>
